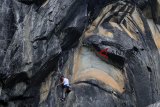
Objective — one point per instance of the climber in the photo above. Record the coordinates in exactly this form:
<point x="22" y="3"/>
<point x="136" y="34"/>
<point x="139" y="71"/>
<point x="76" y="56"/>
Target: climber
<point x="65" y="85"/>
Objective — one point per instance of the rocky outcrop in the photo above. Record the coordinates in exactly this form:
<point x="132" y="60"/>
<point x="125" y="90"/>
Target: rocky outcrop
<point x="107" y="48"/>
<point x="154" y="105"/>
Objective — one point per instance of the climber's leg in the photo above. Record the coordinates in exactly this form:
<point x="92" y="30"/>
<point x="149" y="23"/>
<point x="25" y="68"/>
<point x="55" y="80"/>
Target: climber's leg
<point x="64" y="93"/>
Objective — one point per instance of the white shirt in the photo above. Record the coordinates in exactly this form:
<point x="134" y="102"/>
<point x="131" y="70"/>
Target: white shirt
<point x="65" y="81"/>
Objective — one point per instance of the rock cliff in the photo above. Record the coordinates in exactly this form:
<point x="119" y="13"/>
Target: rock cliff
<point x="109" y="50"/>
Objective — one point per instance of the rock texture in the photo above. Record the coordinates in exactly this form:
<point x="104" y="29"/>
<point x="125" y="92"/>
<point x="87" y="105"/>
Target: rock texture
<point x="154" y="105"/>
<point x="44" y="39"/>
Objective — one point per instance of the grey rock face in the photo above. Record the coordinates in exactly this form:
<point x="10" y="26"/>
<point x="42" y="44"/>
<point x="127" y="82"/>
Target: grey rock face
<point x="155" y="105"/>
<point x="41" y="40"/>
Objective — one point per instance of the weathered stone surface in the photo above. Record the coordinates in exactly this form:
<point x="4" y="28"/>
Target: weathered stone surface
<point x="43" y="39"/>
<point x="154" y="105"/>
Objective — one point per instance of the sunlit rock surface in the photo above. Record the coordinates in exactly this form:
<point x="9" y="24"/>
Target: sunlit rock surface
<point x="44" y="39"/>
<point x="157" y="104"/>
